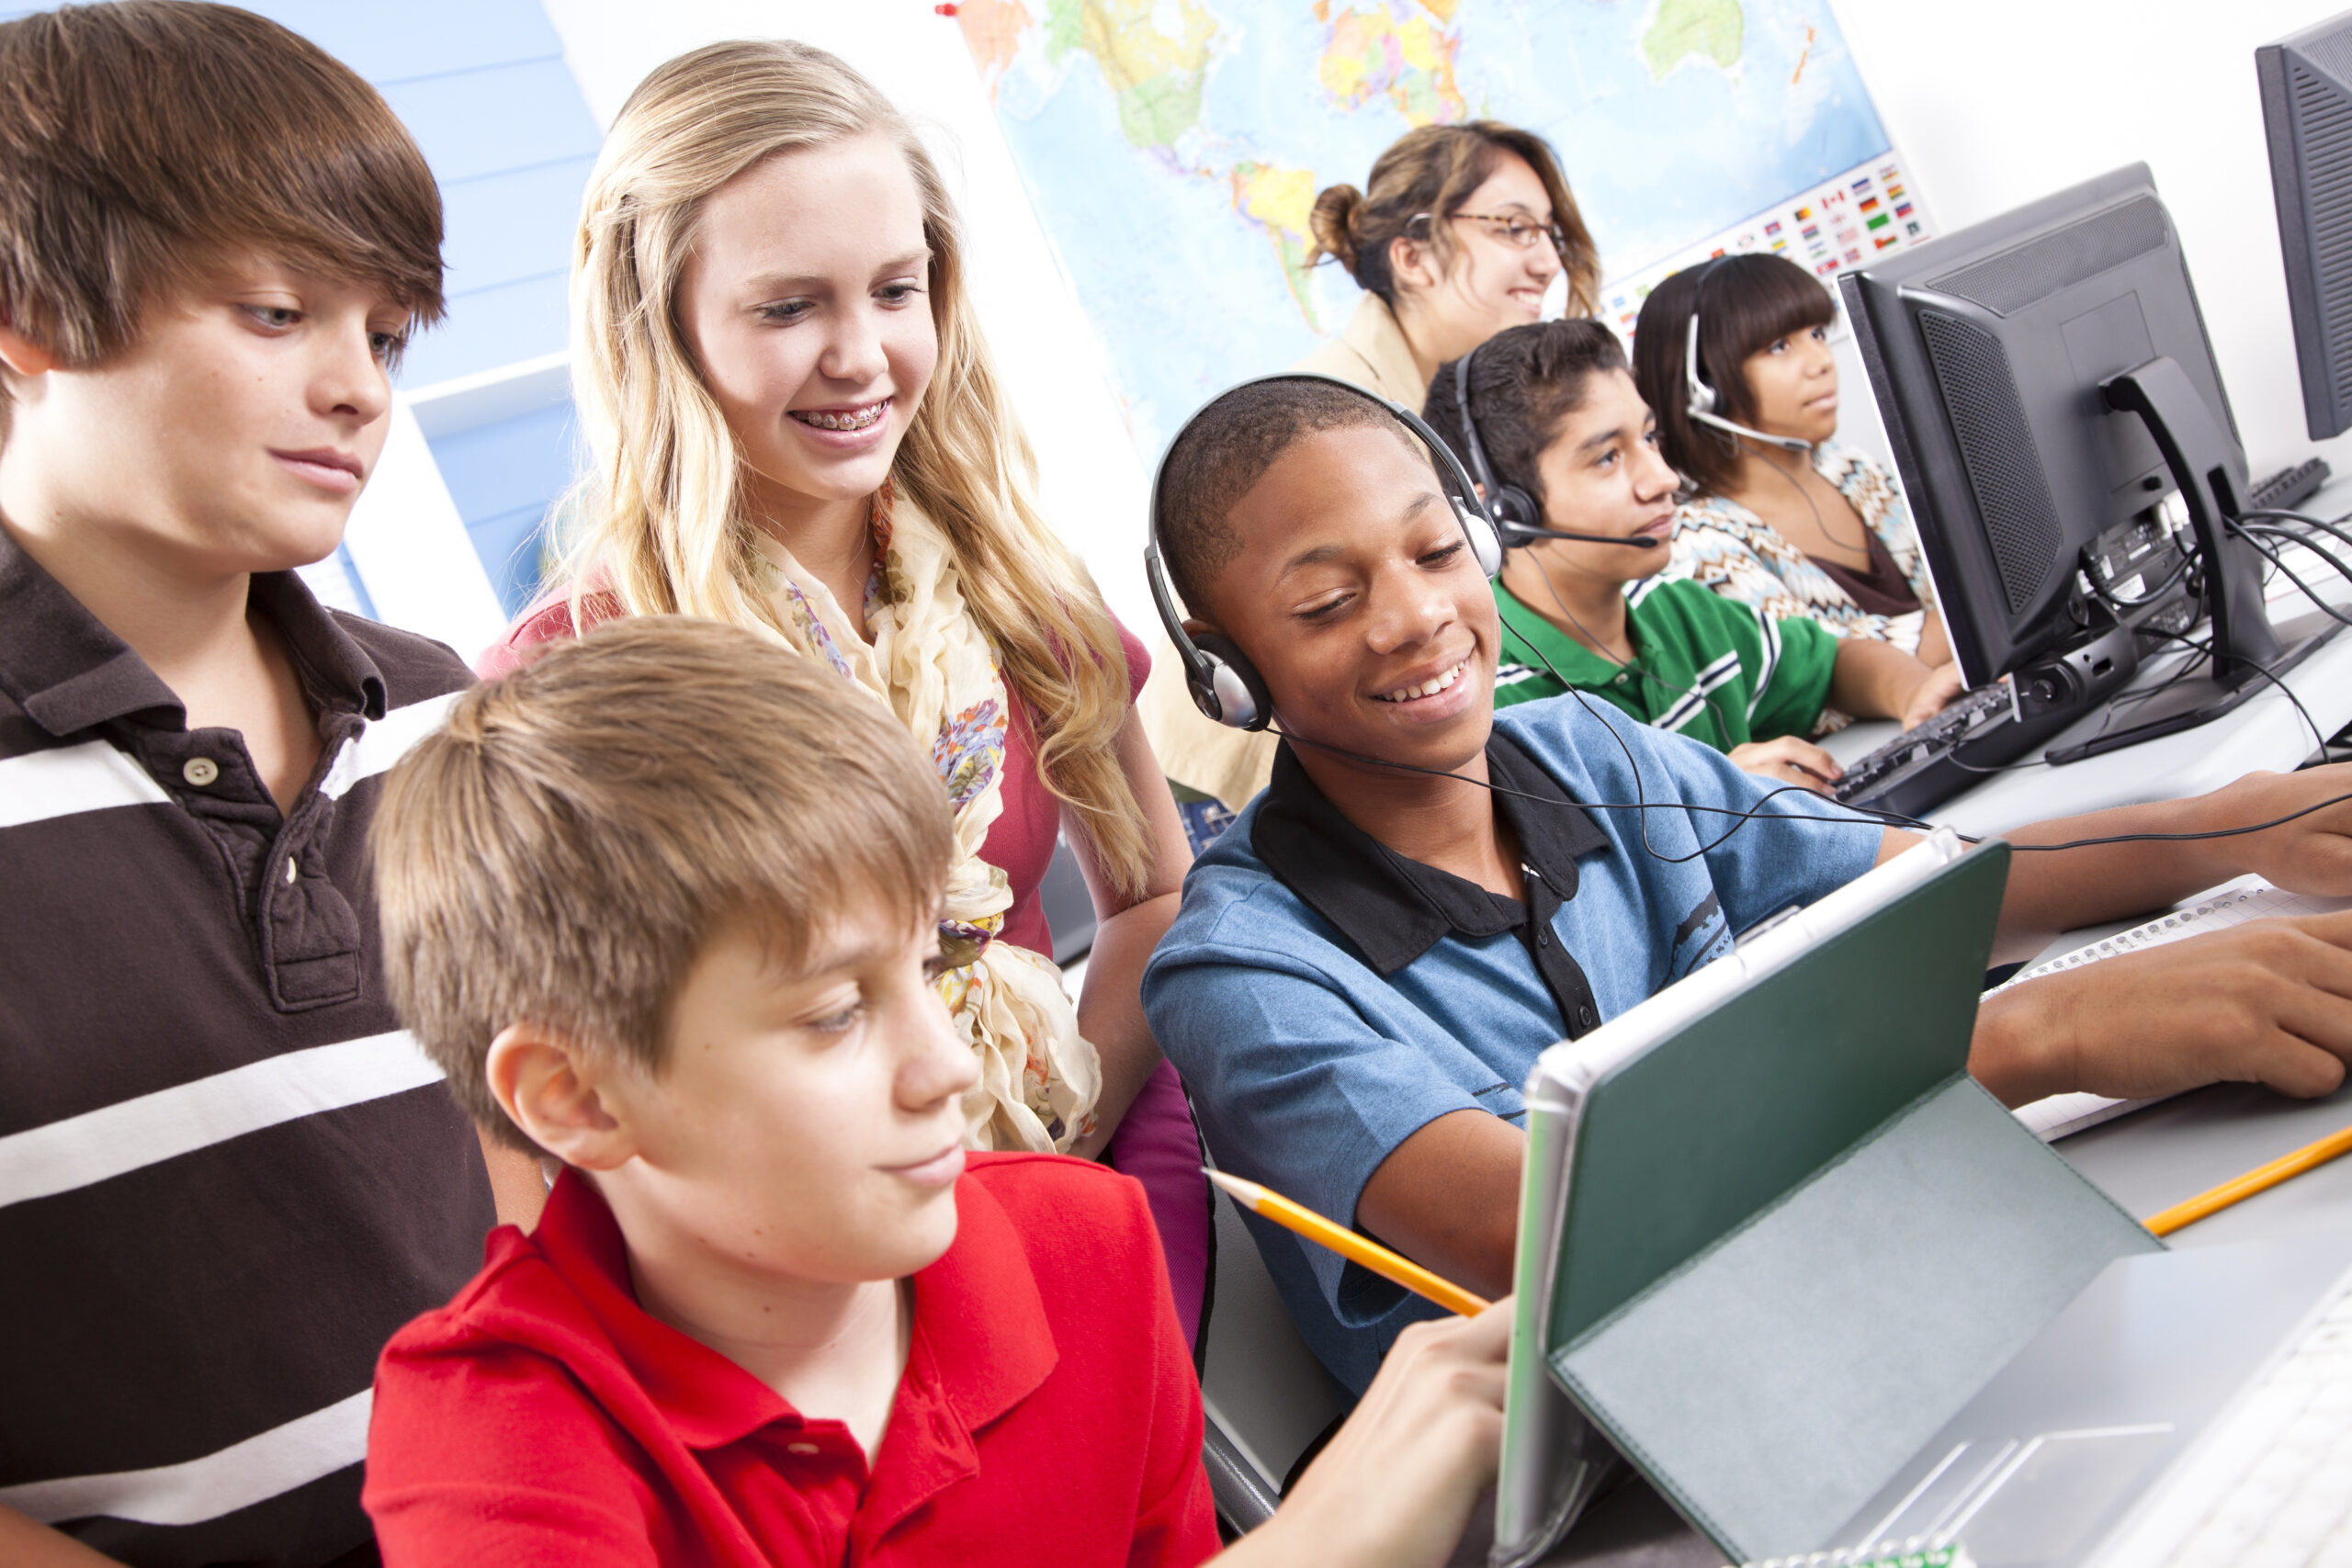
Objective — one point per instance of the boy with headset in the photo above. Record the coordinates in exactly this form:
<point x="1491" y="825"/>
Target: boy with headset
<point x="1550" y="423"/>
<point x="1371" y="958"/>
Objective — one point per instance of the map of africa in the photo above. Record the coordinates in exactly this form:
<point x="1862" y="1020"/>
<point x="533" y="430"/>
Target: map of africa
<point x="1172" y="147"/>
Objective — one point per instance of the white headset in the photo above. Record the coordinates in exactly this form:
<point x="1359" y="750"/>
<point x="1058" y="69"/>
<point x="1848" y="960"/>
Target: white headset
<point x="1705" y="403"/>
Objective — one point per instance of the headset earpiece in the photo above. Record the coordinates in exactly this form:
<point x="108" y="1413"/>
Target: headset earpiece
<point x="1702" y="397"/>
<point x="1485" y="537"/>
<point x="1226" y="686"/>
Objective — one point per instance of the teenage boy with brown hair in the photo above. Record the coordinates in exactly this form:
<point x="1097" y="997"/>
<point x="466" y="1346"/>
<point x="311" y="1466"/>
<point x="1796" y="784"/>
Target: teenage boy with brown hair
<point x="225" y="1177"/>
<point x="664" y="905"/>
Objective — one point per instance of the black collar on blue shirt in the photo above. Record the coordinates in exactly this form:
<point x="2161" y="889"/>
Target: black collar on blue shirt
<point x="1394" y="909"/>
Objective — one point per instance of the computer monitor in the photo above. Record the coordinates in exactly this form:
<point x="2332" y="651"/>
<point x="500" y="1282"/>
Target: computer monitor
<point x="2046" y="383"/>
<point x="2306" y="109"/>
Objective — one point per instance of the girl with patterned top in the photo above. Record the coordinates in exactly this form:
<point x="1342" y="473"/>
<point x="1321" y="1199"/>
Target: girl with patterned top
<point x="797" y="427"/>
<point x="1777" y="514"/>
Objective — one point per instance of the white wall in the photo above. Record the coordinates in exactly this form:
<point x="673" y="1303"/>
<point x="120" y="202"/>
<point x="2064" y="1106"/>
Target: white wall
<point x="1092" y="479"/>
<point x="1997" y="101"/>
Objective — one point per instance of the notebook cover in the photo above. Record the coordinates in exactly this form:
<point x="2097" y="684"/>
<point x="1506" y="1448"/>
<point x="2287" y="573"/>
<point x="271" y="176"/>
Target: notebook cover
<point x="1771" y="1385"/>
<point x="1797" y="1237"/>
<point x="1678" y="1146"/>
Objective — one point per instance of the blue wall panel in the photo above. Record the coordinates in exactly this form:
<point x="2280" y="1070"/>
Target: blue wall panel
<point x="495" y="117"/>
<point x="504" y="477"/>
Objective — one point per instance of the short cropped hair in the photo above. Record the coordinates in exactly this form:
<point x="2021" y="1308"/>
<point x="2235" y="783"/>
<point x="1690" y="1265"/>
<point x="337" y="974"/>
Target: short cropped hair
<point x="574" y="835"/>
<point x="1226" y="449"/>
<point x="1523" y="382"/>
<point x="146" y="142"/>
<point x="1749" y="302"/>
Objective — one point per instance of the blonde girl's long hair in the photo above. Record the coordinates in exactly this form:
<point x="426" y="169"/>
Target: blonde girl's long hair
<point x="664" y="529"/>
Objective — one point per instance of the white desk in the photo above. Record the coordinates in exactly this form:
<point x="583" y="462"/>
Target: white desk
<point x="2264" y="731"/>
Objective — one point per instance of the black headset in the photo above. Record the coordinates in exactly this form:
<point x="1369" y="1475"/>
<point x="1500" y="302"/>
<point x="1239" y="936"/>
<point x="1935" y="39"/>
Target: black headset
<point x="1701" y="401"/>
<point x="1518" y="520"/>
<point x="1224" y="685"/>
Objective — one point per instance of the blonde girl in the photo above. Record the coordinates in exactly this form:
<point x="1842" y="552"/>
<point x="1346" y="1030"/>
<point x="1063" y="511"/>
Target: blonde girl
<point x="797" y="428"/>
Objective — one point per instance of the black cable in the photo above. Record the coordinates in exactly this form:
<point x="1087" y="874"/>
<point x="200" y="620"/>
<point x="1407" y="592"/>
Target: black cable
<point x="2289" y="691"/>
<point x="2273" y="530"/>
<point x="1867" y="817"/>
<point x="1818" y="522"/>
<point x="1703" y="699"/>
<point x="2173" y="838"/>
<point x="2304" y="517"/>
<point x="2247" y="534"/>
<point x="2105" y="592"/>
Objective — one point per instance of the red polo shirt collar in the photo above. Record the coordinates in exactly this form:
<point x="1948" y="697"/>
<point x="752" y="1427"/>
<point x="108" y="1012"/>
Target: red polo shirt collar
<point x="980" y="1344"/>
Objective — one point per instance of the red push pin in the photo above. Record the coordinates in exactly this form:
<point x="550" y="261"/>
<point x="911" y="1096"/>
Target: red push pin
<point x="947" y="8"/>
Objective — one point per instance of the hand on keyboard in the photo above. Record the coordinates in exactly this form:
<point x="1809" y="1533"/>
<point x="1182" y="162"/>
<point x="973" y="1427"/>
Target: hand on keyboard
<point x="2265" y="1002"/>
<point x="1931" y="696"/>
<point x="1788" y="759"/>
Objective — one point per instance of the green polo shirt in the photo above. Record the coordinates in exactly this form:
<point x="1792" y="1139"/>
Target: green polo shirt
<point x="1713" y="668"/>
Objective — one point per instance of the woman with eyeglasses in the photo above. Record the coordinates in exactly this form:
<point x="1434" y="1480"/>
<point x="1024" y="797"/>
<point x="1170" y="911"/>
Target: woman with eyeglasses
<point x="1460" y="231"/>
<point x="1459" y="235"/>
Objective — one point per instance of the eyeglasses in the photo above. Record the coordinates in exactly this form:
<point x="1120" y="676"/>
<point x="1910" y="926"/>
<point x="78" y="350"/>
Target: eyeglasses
<point x="1514" y="229"/>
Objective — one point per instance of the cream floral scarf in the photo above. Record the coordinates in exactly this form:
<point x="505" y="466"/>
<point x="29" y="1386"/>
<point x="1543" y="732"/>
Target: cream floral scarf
<point x="929" y="661"/>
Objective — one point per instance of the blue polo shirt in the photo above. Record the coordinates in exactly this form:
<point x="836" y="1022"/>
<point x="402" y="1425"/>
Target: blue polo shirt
<point x="1325" y="997"/>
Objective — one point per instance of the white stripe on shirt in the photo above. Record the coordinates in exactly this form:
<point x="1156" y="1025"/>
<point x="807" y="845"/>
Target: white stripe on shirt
<point x="93" y="776"/>
<point x="261" y="1467"/>
<point x="1693" y="703"/>
<point x="76" y="1151"/>
<point x="96" y="776"/>
<point x="385" y="742"/>
<point x="1512" y="674"/>
<point x="1770" y="630"/>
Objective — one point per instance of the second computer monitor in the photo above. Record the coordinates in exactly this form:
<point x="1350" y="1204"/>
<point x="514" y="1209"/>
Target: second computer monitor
<point x="1988" y="350"/>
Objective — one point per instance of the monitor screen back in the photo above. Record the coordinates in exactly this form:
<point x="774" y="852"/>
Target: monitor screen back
<point x="1987" y="350"/>
<point x="2307" y="112"/>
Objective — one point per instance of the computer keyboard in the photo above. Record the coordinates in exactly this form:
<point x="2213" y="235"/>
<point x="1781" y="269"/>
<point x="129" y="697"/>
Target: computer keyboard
<point x="2288" y="487"/>
<point x="1920" y="769"/>
<point x="2280" y="1470"/>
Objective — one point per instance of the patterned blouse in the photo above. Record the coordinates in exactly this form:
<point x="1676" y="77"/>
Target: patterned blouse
<point x="1737" y="554"/>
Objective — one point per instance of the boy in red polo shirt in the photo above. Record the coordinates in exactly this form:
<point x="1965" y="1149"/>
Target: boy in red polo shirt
<point x="665" y="906"/>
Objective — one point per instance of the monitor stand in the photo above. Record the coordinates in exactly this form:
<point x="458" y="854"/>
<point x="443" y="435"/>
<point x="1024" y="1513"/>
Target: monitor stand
<point x="2168" y="706"/>
<point x="2248" y="655"/>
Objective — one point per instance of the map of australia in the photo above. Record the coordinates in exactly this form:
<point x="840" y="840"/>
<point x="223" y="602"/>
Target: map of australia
<point x="1173" y="148"/>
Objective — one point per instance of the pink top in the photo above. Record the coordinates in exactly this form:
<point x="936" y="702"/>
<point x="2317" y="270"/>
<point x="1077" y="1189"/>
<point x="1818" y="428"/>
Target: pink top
<point x="1020" y="843"/>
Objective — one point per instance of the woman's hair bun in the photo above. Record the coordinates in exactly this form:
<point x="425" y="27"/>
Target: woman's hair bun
<point x="1336" y="225"/>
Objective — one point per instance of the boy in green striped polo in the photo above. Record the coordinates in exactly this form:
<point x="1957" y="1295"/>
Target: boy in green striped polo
<point x="1558" y="418"/>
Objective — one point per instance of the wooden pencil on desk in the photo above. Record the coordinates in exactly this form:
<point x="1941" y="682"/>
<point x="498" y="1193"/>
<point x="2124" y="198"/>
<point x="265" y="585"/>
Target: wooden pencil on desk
<point x="2261" y="1178"/>
<point x="1388" y="1265"/>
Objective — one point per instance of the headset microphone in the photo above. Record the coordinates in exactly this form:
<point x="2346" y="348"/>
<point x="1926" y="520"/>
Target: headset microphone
<point x="1514" y="537"/>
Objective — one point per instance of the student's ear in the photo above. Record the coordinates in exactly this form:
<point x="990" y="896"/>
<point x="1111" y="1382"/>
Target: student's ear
<point x="22" y="355"/>
<point x="1415" y="262"/>
<point x="560" y="1096"/>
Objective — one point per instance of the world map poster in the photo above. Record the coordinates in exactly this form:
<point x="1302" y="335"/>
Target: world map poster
<point x="1172" y="150"/>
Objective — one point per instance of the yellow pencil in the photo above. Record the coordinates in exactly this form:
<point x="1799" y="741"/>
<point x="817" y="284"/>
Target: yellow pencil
<point x="1347" y="1243"/>
<point x="2310" y="1156"/>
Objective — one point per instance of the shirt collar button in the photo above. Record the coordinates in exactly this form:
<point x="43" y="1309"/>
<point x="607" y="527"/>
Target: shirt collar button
<point x="199" y="771"/>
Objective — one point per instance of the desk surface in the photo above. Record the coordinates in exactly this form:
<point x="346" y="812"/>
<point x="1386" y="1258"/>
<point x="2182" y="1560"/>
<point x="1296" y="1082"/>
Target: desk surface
<point x="2264" y="731"/>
